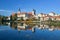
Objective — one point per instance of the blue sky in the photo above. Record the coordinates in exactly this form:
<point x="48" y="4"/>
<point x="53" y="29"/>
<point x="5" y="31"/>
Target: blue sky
<point x="45" y="6"/>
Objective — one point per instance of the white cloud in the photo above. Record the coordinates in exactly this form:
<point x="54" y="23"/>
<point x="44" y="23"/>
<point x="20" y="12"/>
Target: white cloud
<point x="5" y="11"/>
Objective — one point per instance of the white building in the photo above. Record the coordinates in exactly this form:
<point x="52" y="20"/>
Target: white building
<point x="22" y="15"/>
<point x="25" y="15"/>
<point x="52" y="14"/>
<point x="8" y="18"/>
<point x="42" y="16"/>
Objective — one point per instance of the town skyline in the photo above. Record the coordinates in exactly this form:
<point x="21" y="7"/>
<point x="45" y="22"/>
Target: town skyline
<point x="41" y="6"/>
<point x="27" y="12"/>
<point x="29" y="19"/>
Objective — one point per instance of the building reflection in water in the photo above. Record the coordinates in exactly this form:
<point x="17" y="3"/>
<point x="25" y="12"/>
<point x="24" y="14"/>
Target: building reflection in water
<point x="23" y="26"/>
<point x="5" y="23"/>
<point x="13" y="25"/>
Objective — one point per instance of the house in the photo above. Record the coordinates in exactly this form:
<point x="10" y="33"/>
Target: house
<point x="57" y="18"/>
<point x="42" y="16"/>
<point x="52" y="14"/>
<point x="30" y="15"/>
<point x="22" y="16"/>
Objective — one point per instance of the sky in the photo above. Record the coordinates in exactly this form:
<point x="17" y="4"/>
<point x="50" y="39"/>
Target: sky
<point x="7" y="7"/>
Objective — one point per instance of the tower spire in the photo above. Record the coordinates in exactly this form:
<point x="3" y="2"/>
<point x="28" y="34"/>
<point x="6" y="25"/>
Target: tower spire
<point x="19" y="11"/>
<point x="34" y="12"/>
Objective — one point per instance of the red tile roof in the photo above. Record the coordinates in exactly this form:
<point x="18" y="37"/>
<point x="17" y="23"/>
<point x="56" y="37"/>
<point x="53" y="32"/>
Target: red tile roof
<point x="21" y="13"/>
<point x="30" y="13"/>
<point x="53" y="16"/>
<point x="13" y="14"/>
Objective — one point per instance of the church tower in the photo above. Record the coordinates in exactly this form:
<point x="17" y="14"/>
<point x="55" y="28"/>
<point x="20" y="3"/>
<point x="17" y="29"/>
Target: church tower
<point x="34" y="12"/>
<point x="19" y="11"/>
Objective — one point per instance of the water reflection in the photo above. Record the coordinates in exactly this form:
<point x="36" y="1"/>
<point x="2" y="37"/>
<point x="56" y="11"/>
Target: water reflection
<point x="31" y="26"/>
<point x="31" y="31"/>
<point x="21" y="26"/>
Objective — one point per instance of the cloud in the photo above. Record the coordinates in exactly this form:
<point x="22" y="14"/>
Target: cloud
<point x="5" y="11"/>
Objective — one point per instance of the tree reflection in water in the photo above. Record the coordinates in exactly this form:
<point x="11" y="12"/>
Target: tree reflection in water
<point x="31" y="26"/>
